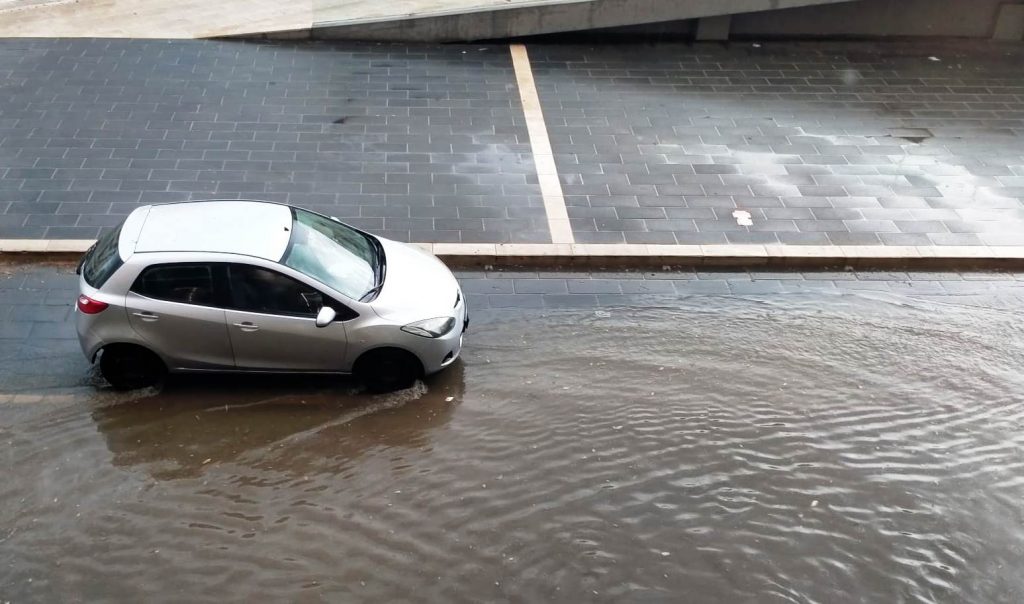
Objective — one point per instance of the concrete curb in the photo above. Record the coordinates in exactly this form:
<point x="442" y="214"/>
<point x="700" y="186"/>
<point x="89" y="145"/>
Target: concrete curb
<point x="554" y="255"/>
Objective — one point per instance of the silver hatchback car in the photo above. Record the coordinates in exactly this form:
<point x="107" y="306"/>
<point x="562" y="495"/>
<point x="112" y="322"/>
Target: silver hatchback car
<point x="253" y="286"/>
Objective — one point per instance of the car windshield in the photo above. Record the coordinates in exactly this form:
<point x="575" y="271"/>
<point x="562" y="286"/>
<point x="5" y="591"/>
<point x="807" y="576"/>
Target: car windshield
<point x="332" y="253"/>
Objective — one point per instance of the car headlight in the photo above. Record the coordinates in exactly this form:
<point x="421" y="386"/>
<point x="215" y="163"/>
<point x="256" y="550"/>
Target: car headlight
<point x="431" y="328"/>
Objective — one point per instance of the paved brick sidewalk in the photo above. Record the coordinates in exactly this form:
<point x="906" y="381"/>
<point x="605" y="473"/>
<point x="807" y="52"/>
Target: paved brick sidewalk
<point x="823" y="144"/>
<point x="423" y="143"/>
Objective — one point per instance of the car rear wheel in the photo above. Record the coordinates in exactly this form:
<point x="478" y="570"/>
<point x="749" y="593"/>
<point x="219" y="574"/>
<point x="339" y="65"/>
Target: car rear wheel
<point x="388" y="369"/>
<point x="131" y="367"/>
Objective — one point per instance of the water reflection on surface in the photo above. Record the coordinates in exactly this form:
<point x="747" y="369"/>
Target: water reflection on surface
<point x="797" y="449"/>
<point x="298" y="425"/>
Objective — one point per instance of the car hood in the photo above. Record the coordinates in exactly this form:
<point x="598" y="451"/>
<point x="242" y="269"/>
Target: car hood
<point x="417" y="285"/>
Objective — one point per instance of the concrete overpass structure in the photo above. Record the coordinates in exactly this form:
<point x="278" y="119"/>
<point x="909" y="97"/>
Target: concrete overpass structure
<point x="450" y="21"/>
<point x="466" y="20"/>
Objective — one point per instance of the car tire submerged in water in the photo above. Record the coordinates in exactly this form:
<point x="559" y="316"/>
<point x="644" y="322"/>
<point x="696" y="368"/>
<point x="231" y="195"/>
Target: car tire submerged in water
<point x="387" y="369"/>
<point x="131" y="367"/>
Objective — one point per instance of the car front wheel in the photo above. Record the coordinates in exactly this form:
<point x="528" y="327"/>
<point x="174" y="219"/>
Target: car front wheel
<point x="131" y="367"/>
<point x="387" y="370"/>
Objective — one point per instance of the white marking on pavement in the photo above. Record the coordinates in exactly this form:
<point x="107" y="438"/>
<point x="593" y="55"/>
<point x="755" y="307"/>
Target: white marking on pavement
<point x="543" y="157"/>
<point x="742" y="218"/>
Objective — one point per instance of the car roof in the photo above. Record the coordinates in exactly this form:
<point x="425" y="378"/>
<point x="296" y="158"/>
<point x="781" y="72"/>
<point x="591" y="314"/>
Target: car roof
<point x="249" y="228"/>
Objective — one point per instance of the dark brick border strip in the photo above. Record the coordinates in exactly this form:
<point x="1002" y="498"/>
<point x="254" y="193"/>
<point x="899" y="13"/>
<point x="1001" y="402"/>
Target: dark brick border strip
<point x="469" y="255"/>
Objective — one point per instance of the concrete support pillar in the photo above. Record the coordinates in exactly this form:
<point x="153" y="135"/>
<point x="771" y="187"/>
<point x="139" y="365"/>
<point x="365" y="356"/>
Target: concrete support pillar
<point x="1010" y="23"/>
<point x="714" y="28"/>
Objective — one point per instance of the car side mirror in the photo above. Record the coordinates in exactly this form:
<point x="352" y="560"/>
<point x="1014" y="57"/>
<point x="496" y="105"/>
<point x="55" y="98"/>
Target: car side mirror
<point x="325" y="317"/>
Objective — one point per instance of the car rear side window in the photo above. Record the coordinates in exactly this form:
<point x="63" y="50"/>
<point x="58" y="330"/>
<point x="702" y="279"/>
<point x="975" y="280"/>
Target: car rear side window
<point x="102" y="260"/>
<point x="184" y="283"/>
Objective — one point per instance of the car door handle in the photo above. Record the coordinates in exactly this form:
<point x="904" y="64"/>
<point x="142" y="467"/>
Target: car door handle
<point x="247" y="326"/>
<point x="146" y="316"/>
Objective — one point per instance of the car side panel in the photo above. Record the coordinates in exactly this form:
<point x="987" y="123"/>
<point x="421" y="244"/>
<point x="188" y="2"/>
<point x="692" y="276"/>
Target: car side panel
<point x="107" y="327"/>
<point x="275" y="342"/>
<point x="185" y="335"/>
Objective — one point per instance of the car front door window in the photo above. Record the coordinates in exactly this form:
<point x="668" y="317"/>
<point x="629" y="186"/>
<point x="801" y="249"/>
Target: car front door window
<point x="260" y="290"/>
<point x="273" y="326"/>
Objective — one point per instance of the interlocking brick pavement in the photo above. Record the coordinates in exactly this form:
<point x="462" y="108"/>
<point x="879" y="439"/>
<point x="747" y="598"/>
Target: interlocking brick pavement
<point x="416" y="143"/>
<point x="910" y="144"/>
<point x="822" y="143"/>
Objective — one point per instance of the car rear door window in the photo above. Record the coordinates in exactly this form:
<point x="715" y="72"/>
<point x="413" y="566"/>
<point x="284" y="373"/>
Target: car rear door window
<point x="184" y="283"/>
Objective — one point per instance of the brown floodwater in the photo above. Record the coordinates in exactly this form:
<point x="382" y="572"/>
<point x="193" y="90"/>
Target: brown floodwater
<point x="801" y="448"/>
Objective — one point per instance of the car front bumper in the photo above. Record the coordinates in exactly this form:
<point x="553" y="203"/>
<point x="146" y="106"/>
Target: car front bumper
<point x="446" y="349"/>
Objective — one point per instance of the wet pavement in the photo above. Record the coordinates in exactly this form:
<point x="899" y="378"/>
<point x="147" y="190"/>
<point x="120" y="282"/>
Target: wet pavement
<point x="796" y="437"/>
<point x="820" y="143"/>
<point x="415" y="143"/>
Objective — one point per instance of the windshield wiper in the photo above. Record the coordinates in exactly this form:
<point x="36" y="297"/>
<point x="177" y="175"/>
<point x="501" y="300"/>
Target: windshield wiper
<point x="373" y="291"/>
<point x="379" y="269"/>
<point x="381" y="266"/>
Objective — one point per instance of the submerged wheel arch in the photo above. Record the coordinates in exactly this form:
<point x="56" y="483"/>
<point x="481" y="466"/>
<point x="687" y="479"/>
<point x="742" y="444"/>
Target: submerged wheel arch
<point x="380" y="350"/>
<point x="127" y="346"/>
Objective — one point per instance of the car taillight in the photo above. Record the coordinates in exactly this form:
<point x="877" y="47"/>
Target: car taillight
<point x="89" y="306"/>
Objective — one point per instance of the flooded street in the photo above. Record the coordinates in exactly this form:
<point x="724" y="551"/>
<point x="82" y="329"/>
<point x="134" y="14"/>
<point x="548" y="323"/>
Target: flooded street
<point x="804" y="448"/>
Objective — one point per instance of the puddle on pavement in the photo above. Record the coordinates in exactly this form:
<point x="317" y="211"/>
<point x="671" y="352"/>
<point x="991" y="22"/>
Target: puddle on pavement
<point x="803" y="449"/>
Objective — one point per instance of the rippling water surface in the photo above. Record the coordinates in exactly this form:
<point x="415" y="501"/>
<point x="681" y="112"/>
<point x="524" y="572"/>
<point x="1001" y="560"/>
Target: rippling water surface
<point x="807" y="450"/>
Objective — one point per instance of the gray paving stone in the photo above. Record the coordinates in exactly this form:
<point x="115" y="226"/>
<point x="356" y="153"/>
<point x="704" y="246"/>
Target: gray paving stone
<point x="954" y="239"/>
<point x="647" y="286"/>
<point x="905" y="239"/>
<point x="600" y="237"/>
<point x="570" y="300"/>
<point x="914" y="288"/>
<point x="804" y="238"/>
<point x="13" y="331"/>
<point x="657" y="238"/>
<point x="516" y="301"/>
<point x="753" y="238"/>
<point x="38" y="313"/>
<point x="967" y="287"/>
<point x="52" y="331"/>
<point x="703" y="286"/>
<point x="477" y="301"/>
<point x="487" y="286"/>
<point x="540" y="286"/>
<point x="843" y="238"/>
<point x="594" y="286"/>
<point x="755" y="287"/>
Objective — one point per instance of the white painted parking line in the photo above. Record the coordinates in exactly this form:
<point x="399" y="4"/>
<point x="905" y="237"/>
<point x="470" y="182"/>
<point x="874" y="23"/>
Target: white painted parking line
<point x="543" y="158"/>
